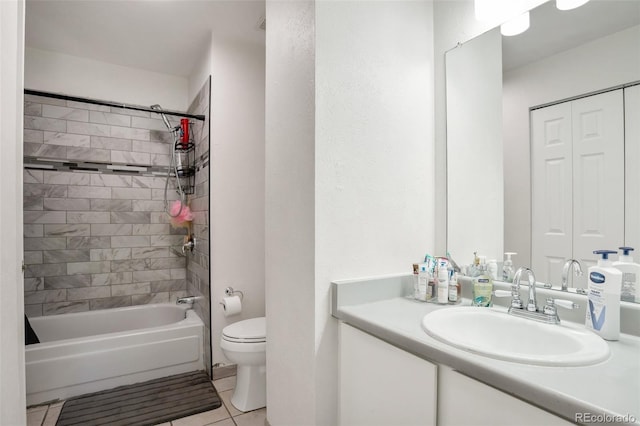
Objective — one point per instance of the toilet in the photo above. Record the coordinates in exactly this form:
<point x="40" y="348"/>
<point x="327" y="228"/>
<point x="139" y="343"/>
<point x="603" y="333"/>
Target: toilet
<point x="244" y="343"/>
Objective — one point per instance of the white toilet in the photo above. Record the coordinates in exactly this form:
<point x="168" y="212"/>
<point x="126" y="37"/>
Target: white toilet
<point x="244" y="343"/>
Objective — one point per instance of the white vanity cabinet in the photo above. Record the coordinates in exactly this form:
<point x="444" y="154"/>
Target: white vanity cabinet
<point x="463" y="401"/>
<point x="380" y="384"/>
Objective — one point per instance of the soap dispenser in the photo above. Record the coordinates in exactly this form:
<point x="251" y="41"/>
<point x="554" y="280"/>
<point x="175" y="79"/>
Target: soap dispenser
<point x="507" y="267"/>
<point x="482" y="286"/>
<point x="629" y="291"/>
<point x="603" y="297"/>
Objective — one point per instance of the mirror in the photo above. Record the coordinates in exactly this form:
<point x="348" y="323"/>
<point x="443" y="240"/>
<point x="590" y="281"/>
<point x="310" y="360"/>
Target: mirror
<point x="563" y="55"/>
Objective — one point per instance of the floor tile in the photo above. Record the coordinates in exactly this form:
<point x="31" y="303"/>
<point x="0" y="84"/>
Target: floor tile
<point x="164" y="424"/>
<point x="203" y="419"/>
<point x="226" y="399"/>
<point x="252" y="418"/>
<point x="35" y="415"/>
<point x="52" y="414"/>
<point x="225" y="384"/>
<point x="226" y="422"/>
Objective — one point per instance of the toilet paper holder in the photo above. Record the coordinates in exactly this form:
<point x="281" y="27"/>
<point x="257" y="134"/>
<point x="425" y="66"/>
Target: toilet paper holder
<point x="229" y="291"/>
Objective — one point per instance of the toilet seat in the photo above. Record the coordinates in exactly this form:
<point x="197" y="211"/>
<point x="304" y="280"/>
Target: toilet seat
<point x="252" y="330"/>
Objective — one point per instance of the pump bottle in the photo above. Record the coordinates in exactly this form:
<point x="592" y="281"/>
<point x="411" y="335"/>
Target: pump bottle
<point x="507" y="268"/>
<point x="603" y="304"/>
<point x="629" y="292"/>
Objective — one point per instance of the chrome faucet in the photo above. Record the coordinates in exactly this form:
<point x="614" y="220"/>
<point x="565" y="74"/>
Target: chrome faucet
<point x="532" y="304"/>
<point x="187" y="300"/>
<point x="577" y="270"/>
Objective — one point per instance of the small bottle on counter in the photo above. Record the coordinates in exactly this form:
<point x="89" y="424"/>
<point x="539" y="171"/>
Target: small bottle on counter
<point x="454" y="290"/>
<point x="443" y="282"/>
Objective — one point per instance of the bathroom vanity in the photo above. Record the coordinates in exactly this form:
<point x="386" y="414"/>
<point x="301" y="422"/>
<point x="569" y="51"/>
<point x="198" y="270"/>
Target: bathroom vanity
<point x="393" y="372"/>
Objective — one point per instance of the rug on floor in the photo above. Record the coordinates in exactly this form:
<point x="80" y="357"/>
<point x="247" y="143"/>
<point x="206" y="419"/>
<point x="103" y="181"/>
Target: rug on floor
<point x="148" y="403"/>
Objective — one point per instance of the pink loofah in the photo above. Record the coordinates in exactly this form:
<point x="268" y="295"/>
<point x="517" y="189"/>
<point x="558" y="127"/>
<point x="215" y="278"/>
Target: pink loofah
<point x="182" y="219"/>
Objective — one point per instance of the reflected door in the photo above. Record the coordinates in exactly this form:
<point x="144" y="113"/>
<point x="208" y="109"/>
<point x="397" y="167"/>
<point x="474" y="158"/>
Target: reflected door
<point x="577" y="183"/>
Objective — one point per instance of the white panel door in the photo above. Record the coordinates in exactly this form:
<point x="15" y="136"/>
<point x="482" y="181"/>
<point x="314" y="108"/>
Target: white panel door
<point x="598" y="176"/>
<point x="632" y="167"/>
<point x="551" y="203"/>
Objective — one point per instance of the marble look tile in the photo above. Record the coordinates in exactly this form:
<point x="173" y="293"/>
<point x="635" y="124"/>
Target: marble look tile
<point x="88" y="217"/>
<point x="66" y="178"/>
<point x="166" y="240"/>
<point x="111" y="278"/>
<point x="111" y="205"/>
<point x="44" y="243"/>
<point x="131" y="112"/>
<point x="34" y="284"/>
<point x="150" y="229"/>
<point x="156" y="275"/>
<point x="42" y="190"/>
<point x="32" y="203"/>
<point x="66" y="139"/>
<point x="40" y="123"/>
<point x="75" y="230"/>
<point x="131" y="217"/>
<point x="150" y="182"/>
<point x="34" y="136"/>
<point x="87" y="105"/>
<point x="89" y="192"/>
<point x="158" y="194"/>
<point x="33" y="108"/>
<point x="110" y="254"/>
<point x="130" y="289"/>
<point x="131" y="158"/>
<point x="160" y="217"/>
<point x="148" y="123"/>
<point x="104" y="142"/>
<point x="86" y="293"/>
<point x="92" y="129"/>
<point x="45" y="151"/>
<point x="109" y="303"/>
<point x="45" y="270"/>
<point x="65" y="113"/>
<point x="67" y="281"/>
<point x="44" y="217"/>
<point x="151" y="147"/>
<point x="160" y="160"/>
<point x="45" y="296"/>
<point x="113" y="229"/>
<point x="88" y="268"/>
<point x="88" y="242"/>
<point x="179" y="274"/>
<point x="147" y="206"/>
<point x="128" y="265"/>
<point x="64" y="307"/>
<point x="33" y="257"/>
<point x="170" y="263"/>
<point x="88" y="154"/>
<point x="131" y="193"/>
<point x="62" y="256"/>
<point x="77" y="204"/>
<point x="145" y="299"/>
<point x="99" y="179"/>
<point x="130" y="241"/>
<point x="149" y="252"/>
<point x="129" y="133"/>
<point x="32" y="176"/>
<point x="32" y="311"/>
<point x="110" y="118"/>
<point x="167" y="285"/>
<point x="31" y="231"/>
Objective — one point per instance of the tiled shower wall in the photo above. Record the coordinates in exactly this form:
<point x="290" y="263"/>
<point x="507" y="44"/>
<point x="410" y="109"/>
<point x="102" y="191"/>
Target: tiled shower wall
<point x="198" y="261"/>
<point x="97" y="238"/>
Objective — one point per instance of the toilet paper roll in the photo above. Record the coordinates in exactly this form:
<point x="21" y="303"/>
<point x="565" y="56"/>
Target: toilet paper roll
<point x="232" y="305"/>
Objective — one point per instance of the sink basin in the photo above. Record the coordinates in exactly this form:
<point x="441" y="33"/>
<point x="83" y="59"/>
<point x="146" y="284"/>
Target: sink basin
<point x="496" y="334"/>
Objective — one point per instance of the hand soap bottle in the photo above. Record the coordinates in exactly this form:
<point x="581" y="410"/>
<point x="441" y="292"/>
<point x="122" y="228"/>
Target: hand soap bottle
<point x="507" y="268"/>
<point x="482" y="286"/>
<point x="603" y="304"/>
<point x="630" y="274"/>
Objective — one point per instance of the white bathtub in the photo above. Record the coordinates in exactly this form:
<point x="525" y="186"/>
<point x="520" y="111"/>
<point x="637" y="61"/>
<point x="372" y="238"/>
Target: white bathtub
<point x="90" y="351"/>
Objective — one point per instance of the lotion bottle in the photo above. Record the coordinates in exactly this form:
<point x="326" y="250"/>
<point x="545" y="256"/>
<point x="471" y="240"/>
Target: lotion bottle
<point x="603" y="304"/>
<point x="482" y="286"/>
<point x="630" y="292"/>
<point x="443" y="282"/>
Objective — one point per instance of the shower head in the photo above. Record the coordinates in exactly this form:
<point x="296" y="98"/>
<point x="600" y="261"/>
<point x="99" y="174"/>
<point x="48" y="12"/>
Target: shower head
<point x="164" y="117"/>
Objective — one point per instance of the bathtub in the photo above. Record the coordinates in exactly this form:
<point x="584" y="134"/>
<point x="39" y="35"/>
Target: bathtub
<point x="91" y="351"/>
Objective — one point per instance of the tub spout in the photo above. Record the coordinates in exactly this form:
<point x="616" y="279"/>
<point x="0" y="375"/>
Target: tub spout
<point x="188" y="300"/>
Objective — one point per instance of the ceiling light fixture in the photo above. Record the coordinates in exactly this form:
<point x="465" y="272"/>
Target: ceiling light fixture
<point x="569" y="4"/>
<point x="516" y="25"/>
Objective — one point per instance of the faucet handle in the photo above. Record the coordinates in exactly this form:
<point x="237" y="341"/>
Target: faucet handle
<point x="501" y="293"/>
<point x="550" y="307"/>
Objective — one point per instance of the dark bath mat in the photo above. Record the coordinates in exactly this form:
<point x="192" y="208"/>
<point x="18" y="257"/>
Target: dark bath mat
<point x="148" y="403"/>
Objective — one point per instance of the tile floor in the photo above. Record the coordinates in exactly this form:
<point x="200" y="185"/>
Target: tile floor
<point x="226" y="415"/>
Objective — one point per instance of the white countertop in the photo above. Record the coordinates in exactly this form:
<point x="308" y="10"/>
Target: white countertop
<point x="611" y="387"/>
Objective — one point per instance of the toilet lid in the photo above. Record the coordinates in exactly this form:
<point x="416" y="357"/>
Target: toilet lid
<point x="249" y="331"/>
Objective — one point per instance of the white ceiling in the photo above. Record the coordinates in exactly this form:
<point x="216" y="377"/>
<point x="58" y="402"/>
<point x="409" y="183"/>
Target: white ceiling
<point x="165" y="36"/>
<point x="553" y="31"/>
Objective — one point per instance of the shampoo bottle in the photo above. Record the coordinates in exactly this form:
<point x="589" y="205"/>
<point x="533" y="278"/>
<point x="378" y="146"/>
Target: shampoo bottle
<point x="482" y="286"/>
<point x="603" y="304"/>
<point x="629" y="291"/>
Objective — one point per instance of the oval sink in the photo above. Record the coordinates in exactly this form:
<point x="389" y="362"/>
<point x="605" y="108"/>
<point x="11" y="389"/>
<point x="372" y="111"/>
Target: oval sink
<point x="502" y="336"/>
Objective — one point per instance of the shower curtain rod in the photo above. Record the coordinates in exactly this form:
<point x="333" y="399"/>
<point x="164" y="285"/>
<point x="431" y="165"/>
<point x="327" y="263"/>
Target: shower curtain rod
<point x="112" y="104"/>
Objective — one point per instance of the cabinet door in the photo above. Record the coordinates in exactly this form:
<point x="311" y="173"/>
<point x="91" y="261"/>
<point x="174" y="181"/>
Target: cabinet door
<point x="383" y="385"/>
<point x="463" y="401"/>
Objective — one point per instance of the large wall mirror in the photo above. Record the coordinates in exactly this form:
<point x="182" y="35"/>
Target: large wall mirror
<point x="495" y="87"/>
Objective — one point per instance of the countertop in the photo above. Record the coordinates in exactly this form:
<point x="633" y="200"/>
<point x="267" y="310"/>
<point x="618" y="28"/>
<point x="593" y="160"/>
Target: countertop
<point x="609" y="388"/>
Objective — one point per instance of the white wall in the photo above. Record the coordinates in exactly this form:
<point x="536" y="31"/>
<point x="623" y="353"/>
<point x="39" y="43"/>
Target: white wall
<point x="237" y="159"/>
<point x="12" y="383"/>
<point x="72" y="75"/>
<point x="596" y="65"/>
<point x="349" y="182"/>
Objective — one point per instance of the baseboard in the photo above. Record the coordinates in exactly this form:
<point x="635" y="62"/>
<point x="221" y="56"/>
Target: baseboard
<point x="223" y="371"/>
